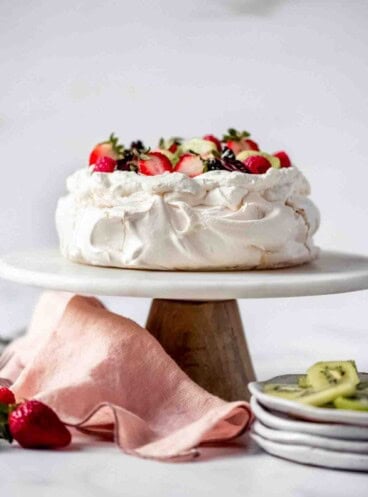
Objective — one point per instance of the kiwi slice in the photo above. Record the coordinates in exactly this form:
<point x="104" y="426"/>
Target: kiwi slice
<point x="322" y="397"/>
<point x="199" y="146"/>
<point x="303" y="382"/>
<point x="352" y="403"/>
<point x="309" y="396"/>
<point x="359" y="402"/>
<point x="286" y="391"/>
<point x="323" y="375"/>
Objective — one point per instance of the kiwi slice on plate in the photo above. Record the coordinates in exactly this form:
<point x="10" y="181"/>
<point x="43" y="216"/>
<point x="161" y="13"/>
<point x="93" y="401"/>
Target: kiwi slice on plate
<point x="309" y="396"/>
<point x="324" y="375"/>
<point x="303" y="382"/>
<point x="353" y="403"/>
<point x="286" y="391"/>
<point x="359" y="402"/>
<point x="322" y="397"/>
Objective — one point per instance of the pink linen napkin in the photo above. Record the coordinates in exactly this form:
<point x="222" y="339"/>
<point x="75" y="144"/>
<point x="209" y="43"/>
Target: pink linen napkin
<point x="103" y="373"/>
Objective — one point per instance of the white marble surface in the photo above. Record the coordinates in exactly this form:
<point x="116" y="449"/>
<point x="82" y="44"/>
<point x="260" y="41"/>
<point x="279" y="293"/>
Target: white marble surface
<point x="103" y="471"/>
<point x="284" y="335"/>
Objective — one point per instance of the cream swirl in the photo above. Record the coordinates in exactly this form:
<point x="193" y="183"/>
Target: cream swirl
<point x="217" y="220"/>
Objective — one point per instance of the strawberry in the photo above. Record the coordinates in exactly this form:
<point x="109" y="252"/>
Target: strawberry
<point x="284" y="158"/>
<point x="154" y="163"/>
<point x="104" y="165"/>
<point x="108" y="148"/>
<point x="238" y="141"/>
<point x="6" y="396"/>
<point x="250" y="145"/>
<point x="190" y="164"/>
<point x="172" y="144"/>
<point x="34" y="425"/>
<point x="213" y="139"/>
<point x="257" y="164"/>
<point x="173" y="148"/>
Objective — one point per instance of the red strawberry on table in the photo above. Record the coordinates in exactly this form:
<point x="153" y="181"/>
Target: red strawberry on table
<point x="154" y="163"/>
<point x="190" y="164"/>
<point x="6" y="396"/>
<point x="34" y="425"/>
<point x="284" y="158"/>
<point x="213" y="139"/>
<point x="238" y="141"/>
<point x="104" y="165"/>
<point x="257" y="164"/>
<point x="109" y="148"/>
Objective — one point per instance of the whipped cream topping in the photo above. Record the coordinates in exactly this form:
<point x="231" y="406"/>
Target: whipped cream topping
<point x="217" y="220"/>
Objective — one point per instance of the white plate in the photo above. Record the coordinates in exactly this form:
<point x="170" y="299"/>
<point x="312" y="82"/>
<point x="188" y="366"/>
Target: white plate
<point x="280" y="421"/>
<point x="297" y="409"/>
<point x="314" y="456"/>
<point x="292" y="438"/>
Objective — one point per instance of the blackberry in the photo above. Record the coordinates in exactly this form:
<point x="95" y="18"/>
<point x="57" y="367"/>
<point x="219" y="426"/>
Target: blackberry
<point x="240" y="166"/>
<point x="228" y="154"/>
<point x="127" y="162"/>
<point x="138" y="146"/>
<point x="229" y="167"/>
<point x="214" y="165"/>
<point x="235" y="165"/>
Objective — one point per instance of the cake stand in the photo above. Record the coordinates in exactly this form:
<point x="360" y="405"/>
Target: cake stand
<point x="195" y="315"/>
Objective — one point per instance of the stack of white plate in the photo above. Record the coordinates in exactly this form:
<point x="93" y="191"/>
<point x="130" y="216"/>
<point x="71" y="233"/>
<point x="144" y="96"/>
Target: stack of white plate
<point x="332" y="438"/>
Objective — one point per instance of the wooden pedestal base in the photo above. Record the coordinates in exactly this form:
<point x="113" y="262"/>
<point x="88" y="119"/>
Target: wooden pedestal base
<point x="206" y="339"/>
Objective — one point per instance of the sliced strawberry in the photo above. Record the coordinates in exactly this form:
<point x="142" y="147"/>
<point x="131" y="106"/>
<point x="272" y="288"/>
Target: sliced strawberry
<point x="250" y="145"/>
<point x="284" y="158"/>
<point x="190" y="164"/>
<point x="238" y="141"/>
<point x="104" y="165"/>
<point x="213" y="139"/>
<point x="154" y="163"/>
<point x="257" y="164"/>
<point x="108" y="148"/>
<point x="243" y="144"/>
<point x="234" y="146"/>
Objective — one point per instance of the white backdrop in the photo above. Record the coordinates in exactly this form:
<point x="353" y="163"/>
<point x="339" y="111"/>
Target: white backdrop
<point x="294" y="73"/>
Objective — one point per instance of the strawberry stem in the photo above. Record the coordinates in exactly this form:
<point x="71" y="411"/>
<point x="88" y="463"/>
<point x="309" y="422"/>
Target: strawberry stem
<point x="115" y="145"/>
<point x="235" y="135"/>
<point x="5" y="410"/>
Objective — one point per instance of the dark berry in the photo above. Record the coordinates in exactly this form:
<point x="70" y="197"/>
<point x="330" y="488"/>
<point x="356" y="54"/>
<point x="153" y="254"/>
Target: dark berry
<point x="138" y="146"/>
<point x="227" y="154"/>
<point x="128" y="162"/>
<point x="214" y="165"/>
<point x="240" y="166"/>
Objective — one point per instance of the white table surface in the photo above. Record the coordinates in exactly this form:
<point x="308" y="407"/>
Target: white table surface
<point x="284" y="335"/>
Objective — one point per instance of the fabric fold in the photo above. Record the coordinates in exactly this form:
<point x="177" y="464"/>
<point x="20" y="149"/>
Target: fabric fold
<point x="102" y="372"/>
